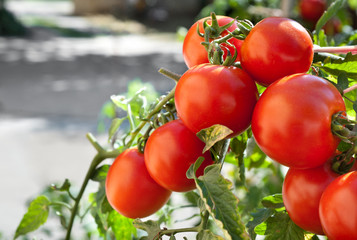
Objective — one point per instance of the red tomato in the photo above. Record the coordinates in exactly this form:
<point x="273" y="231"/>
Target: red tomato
<point x="338" y="208"/>
<point x="211" y="94"/>
<point x="292" y="120"/>
<point x="169" y="152"/>
<point x="194" y="52"/>
<point x="302" y="190"/>
<point x="275" y="48"/>
<point x="312" y="10"/>
<point x="130" y="189"/>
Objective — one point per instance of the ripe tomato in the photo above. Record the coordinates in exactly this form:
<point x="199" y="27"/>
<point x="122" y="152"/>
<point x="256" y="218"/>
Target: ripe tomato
<point x="170" y="151"/>
<point x="302" y="190"/>
<point x="312" y="10"/>
<point x="338" y="208"/>
<point x="276" y="47"/>
<point x="292" y="120"/>
<point x="211" y="94"/>
<point x="194" y="52"/>
<point x="129" y="188"/>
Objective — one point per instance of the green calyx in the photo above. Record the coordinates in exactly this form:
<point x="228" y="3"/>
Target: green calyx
<point x="216" y="38"/>
<point x="346" y="130"/>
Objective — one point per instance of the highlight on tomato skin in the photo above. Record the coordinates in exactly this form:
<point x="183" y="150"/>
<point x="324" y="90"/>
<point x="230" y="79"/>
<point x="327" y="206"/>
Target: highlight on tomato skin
<point x="292" y="120"/>
<point x="276" y="47"/>
<point x="130" y="189"/>
<point x="169" y="152"/>
<point x="194" y="53"/>
<point x="338" y="209"/>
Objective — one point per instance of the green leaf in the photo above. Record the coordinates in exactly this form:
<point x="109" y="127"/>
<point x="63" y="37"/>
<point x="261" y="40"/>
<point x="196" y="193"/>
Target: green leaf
<point x="100" y="173"/>
<point x="280" y="227"/>
<point x="122" y="227"/>
<point x="329" y="13"/>
<point x="222" y="204"/>
<point x="342" y="81"/>
<point x="274" y="201"/>
<point x="213" y="134"/>
<point x="320" y="38"/>
<point x="208" y="235"/>
<point x="258" y="217"/>
<point x="150" y="226"/>
<point x="114" y="126"/>
<point x="347" y="66"/>
<point x="36" y="215"/>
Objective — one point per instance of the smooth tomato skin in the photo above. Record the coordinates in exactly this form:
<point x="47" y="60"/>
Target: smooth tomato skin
<point x="292" y="120"/>
<point x="169" y="152"/>
<point x="211" y="94"/>
<point x="338" y="208"/>
<point x="302" y="190"/>
<point x="129" y="188"/>
<point x="276" y="47"/>
<point x="194" y="53"/>
<point x="312" y="10"/>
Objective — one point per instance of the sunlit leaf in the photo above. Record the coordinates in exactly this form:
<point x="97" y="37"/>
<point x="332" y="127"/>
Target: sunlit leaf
<point x="280" y="226"/>
<point x="347" y="66"/>
<point x="36" y="215"/>
<point x="208" y="235"/>
<point x="213" y="134"/>
<point x="329" y="13"/>
<point x="122" y="227"/>
<point x="222" y="204"/>
<point x="258" y="217"/>
<point x="114" y="126"/>
<point x="273" y="201"/>
<point x="150" y="226"/>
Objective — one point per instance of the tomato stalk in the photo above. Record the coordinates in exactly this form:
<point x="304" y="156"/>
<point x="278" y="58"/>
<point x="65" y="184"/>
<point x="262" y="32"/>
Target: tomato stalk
<point x="101" y="155"/>
<point x="214" y="36"/>
<point x="345" y="129"/>
<point x="171" y="232"/>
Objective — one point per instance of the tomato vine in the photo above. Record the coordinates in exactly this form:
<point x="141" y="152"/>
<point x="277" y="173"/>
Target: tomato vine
<point x="248" y="123"/>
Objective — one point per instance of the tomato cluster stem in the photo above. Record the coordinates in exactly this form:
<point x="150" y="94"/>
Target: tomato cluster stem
<point x="103" y="153"/>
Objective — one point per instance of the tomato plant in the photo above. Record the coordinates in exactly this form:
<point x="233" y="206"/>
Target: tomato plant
<point x="292" y="120"/>
<point x="194" y="53"/>
<point x="338" y="209"/>
<point x="170" y="150"/>
<point x="210" y="94"/>
<point x="312" y="10"/>
<point x="276" y="47"/>
<point x="130" y="189"/>
<point x="302" y="190"/>
<point x="196" y="140"/>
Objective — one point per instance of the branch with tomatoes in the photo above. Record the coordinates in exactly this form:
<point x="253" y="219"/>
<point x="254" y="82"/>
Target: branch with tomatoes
<point x="257" y="100"/>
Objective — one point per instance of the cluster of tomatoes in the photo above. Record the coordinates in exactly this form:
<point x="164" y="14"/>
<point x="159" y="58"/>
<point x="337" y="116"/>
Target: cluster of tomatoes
<point x="290" y="121"/>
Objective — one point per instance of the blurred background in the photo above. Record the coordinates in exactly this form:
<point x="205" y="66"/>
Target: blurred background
<point x="61" y="60"/>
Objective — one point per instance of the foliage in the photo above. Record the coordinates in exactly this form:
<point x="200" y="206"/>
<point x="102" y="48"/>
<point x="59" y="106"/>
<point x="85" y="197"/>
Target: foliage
<point x="238" y="197"/>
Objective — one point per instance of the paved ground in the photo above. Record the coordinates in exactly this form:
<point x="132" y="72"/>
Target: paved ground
<point x="51" y="90"/>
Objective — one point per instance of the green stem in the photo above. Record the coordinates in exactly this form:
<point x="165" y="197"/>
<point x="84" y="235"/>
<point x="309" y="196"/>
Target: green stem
<point x="203" y="225"/>
<point x="98" y="158"/>
<point x="174" y="76"/>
